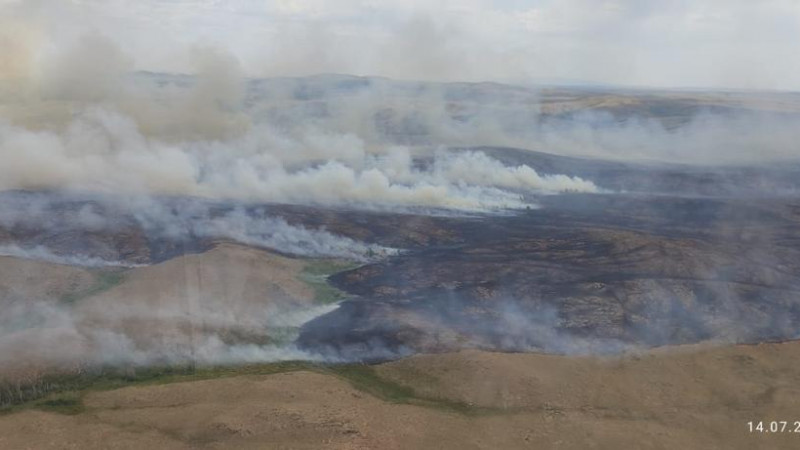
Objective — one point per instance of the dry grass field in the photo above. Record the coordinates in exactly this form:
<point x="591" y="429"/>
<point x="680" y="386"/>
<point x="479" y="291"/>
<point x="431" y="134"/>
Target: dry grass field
<point x="693" y="397"/>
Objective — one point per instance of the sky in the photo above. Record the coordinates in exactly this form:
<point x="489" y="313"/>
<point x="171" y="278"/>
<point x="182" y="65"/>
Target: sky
<point x="739" y="44"/>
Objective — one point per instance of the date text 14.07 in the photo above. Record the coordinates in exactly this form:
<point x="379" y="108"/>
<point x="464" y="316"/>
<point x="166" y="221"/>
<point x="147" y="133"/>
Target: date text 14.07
<point x="775" y="426"/>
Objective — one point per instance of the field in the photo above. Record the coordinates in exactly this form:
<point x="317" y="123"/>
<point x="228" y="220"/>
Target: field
<point x="383" y="299"/>
<point x="685" y="397"/>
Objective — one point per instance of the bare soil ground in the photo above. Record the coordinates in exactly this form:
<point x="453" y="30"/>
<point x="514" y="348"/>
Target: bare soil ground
<point x="686" y="397"/>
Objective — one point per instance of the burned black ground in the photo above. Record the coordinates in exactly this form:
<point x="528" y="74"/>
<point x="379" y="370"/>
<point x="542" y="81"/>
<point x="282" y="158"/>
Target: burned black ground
<point x="664" y="254"/>
<point x="585" y="273"/>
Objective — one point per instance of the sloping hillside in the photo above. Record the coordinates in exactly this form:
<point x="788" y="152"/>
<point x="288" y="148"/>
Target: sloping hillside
<point x="686" y="397"/>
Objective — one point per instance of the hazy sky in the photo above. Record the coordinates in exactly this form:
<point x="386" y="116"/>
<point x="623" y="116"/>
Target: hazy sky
<point x="699" y="43"/>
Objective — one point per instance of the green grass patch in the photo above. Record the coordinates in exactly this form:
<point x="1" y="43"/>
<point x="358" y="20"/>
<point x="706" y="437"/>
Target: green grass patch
<point x="327" y="267"/>
<point x="103" y="281"/>
<point x="117" y="378"/>
<point x="63" y="393"/>
<point x="70" y="403"/>
<point x="316" y="273"/>
<point x="366" y="379"/>
<point x="324" y="293"/>
<point x="208" y="373"/>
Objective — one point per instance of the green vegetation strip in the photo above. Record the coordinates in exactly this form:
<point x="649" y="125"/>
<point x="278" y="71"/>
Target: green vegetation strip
<point x="64" y="394"/>
<point x="69" y="402"/>
<point x="364" y="378"/>
<point x="316" y="274"/>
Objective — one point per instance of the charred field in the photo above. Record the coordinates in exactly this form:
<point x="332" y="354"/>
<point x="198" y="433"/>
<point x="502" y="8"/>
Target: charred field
<point x="586" y="274"/>
<point x="632" y="267"/>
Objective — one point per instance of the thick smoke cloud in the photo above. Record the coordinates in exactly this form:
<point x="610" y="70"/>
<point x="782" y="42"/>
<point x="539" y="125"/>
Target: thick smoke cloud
<point x="105" y="151"/>
<point x="90" y="124"/>
<point x="89" y="127"/>
<point x="76" y="73"/>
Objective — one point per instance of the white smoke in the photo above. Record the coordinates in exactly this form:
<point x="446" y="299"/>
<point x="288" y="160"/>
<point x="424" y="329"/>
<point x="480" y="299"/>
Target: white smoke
<point x="47" y="334"/>
<point x="104" y="151"/>
<point x="88" y="124"/>
<point x="41" y="253"/>
<point x="174" y="220"/>
<point x="279" y="235"/>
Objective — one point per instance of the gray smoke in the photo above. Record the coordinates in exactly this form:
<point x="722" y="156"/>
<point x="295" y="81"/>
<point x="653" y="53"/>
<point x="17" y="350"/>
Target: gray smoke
<point x="104" y="151"/>
<point x="40" y="253"/>
<point x="42" y="333"/>
<point x="87" y="123"/>
<point x="178" y="221"/>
